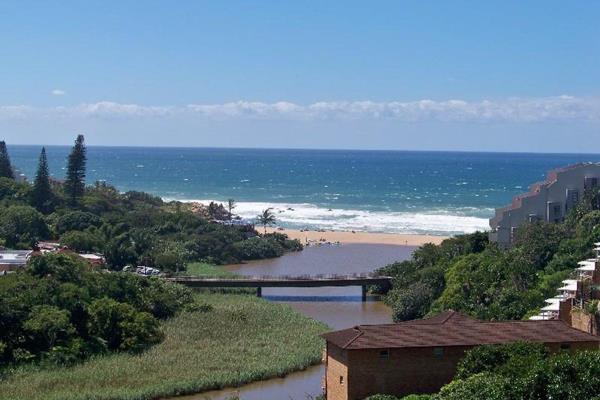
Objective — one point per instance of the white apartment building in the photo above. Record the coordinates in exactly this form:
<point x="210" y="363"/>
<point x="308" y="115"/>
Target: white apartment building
<point x="549" y="201"/>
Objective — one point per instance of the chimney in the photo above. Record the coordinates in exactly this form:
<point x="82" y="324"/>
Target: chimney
<point x="564" y="310"/>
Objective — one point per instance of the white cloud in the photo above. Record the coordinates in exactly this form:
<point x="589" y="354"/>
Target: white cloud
<point x="558" y="108"/>
<point x="58" y="92"/>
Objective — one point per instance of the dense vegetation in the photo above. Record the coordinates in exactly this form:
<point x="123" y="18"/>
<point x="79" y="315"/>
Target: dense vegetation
<point x="468" y="274"/>
<point x="520" y="371"/>
<point x="59" y="311"/>
<point x="59" y="315"/>
<point x="130" y="228"/>
<point x="228" y="341"/>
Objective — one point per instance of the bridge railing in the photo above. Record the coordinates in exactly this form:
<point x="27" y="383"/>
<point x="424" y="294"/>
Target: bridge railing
<point x="304" y="277"/>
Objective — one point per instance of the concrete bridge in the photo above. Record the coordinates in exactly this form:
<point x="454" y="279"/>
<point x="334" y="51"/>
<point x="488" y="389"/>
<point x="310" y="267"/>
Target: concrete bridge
<point x="259" y="282"/>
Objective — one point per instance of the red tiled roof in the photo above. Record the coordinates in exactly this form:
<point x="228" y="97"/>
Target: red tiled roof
<point x="454" y="329"/>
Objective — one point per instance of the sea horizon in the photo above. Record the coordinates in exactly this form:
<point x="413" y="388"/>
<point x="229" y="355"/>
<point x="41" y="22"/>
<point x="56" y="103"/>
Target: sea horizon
<point x="337" y="149"/>
<point x="390" y="191"/>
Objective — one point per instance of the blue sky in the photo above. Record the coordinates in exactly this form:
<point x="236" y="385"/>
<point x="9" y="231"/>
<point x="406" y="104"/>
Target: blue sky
<point x="457" y="75"/>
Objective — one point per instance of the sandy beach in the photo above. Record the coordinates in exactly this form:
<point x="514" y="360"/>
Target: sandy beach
<point x="360" y="237"/>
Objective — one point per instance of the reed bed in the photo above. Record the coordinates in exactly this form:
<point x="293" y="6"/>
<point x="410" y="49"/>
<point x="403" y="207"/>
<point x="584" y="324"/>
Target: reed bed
<point x="243" y="339"/>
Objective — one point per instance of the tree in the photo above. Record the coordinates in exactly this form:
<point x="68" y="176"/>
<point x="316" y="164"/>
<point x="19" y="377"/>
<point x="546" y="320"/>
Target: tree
<point x="411" y="302"/>
<point x="122" y="326"/>
<point x="266" y="218"/>
<point x="75" y="182"/>
<point x="41" y="195"/>
<point x="230" y="206"/>
<point x="256" y="248"/>
<point x="77" y="221"/>
<point x="6" y="169"/>
<point x="13" y="191"/>
<point x="47" y="325"/>
<point x="22" y="226"/>
<point x="217" y="211"/>
<point x="82" y="241"/>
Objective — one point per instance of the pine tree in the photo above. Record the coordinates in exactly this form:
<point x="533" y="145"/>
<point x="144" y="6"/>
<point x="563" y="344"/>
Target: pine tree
<point x="75" y="182"/>
<point x="6" y="170"/>
<point x="41" y="195"/>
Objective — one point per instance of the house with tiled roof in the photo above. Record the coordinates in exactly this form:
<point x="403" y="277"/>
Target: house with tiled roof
<point x="421" y="356"/>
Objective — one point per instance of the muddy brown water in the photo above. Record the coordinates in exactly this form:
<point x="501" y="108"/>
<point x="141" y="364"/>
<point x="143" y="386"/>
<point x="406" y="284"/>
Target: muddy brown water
<point x="338" y="307"/>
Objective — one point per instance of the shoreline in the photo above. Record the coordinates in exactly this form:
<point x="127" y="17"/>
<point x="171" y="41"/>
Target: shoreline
<point x="349" y="237"/>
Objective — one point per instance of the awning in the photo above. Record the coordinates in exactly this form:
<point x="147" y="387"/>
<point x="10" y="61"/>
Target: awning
<point x="551" y="307"/>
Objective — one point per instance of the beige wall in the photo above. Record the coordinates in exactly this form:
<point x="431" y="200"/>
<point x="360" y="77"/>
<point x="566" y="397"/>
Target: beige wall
<point x="583" y="321"/>
<point x="406" y="371"/>
<point x="336" y="364"/>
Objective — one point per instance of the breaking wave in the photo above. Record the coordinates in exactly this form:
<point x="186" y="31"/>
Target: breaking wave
<point x="310" y="216"/>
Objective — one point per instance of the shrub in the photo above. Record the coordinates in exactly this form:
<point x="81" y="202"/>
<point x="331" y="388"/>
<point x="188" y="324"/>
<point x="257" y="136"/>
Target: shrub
<point x="257" y="248"/>
<point x="60" y="310"/>
<point x="22" y="226"/>
<point x="478" y="387"/>
<point x="10" y="190"/>
<point x="76" y="221"/>
<point x="284" y="241"/>
<point x="566" y="376"/>
<point x="410" y="303"/>
<point x="82" y="241"/>
<point x="48" y="326"/>
<point x="121" y="326"/>
<point x="510" y="359"/>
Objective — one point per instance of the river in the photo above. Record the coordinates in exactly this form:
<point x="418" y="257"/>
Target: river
<point x="338" y="307"/>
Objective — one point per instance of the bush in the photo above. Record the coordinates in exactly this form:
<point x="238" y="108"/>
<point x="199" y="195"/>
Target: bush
<point x="11" y="191"/>
<point x="566" y="376"/>
<point x="48" y="326"/>
<point x="410" y="303"/>
<point x="478" y="387"/>
<point x="121" y="326"/>
<point x="525" y="371"/>
<point x="76" y="221"/>
<point x="22" y="226"/>
<point x="61" y="310"/>
<point x="509" y="359"/>
<point x="257" y="248"/>
<point x="82" y="241"/>
<point x="284" y="241"/>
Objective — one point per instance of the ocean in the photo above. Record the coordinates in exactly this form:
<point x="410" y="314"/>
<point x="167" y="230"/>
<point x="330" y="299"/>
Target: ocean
<point x="380" y="191"/>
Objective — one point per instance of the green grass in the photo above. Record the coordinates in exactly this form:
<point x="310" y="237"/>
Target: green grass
<point x="215" y="271"/>
<point x="242" y="339"/>
<point x="207" y="270"/>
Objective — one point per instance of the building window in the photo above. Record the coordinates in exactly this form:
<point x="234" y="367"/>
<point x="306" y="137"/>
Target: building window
<point x="438" y="352"/>
<point x="565" y="346"/>
<point x="590" y="182"/>
<point x="557" y="210"/>
<point x="384" y="354"/>
<point x="341" y="380"/>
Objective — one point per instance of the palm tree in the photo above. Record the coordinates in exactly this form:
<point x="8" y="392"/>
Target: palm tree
<point x="266" y="218"/>
<point x="230" y="206"/>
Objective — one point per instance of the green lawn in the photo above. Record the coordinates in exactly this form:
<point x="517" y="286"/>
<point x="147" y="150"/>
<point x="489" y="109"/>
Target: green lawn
<point x="242" y="339"/>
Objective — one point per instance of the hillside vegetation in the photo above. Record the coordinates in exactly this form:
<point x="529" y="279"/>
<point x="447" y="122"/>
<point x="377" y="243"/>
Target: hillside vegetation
<point x="468" y="274"/>
<point x="132" y="228"/>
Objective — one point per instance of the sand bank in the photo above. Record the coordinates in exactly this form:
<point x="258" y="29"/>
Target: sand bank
<point x="360" y="237"/>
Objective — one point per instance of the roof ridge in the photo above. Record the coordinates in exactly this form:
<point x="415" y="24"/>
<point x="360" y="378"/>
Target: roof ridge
<point x="450" y="314"/>
<point x="512" y="321"/>
<point x="360" y="333"/>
